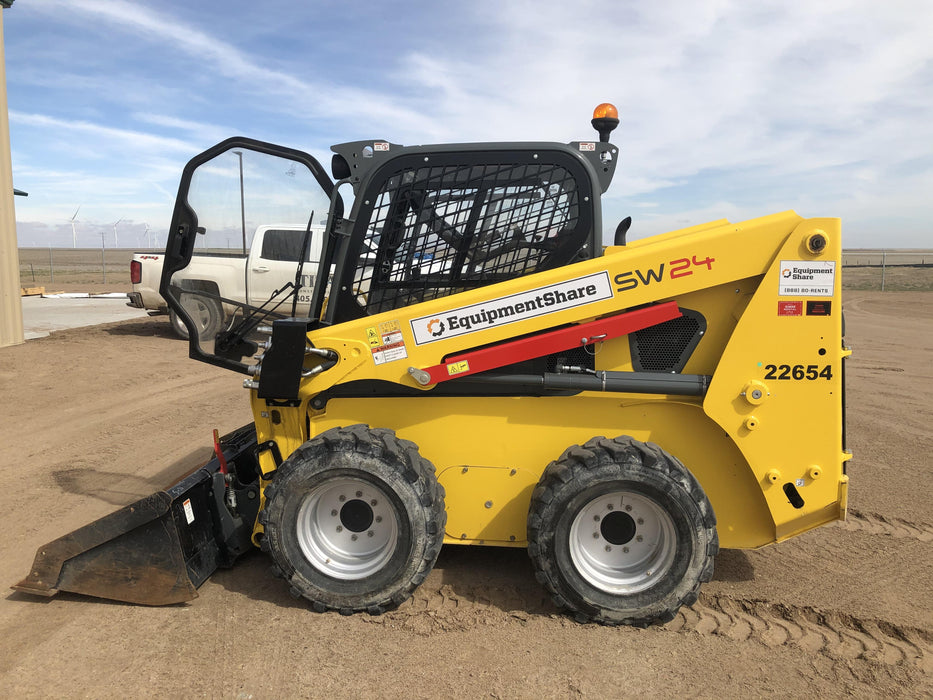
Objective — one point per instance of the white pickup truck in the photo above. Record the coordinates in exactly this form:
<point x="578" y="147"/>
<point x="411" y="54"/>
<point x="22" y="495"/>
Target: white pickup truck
<point x="246" y="278"/>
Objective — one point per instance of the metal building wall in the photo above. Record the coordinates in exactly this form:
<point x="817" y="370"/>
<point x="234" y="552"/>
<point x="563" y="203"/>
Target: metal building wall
<point x="11" y="306"/>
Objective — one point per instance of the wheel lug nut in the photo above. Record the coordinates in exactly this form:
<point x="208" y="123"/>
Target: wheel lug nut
<point x="378" y="518"/>
<point x="609" y="506"/>
<point x="595" y="535"/>
<point x="374" y="503"/>
<point x="359" y="494"/>
<point x="639" y="538"/>
<point x="625" y="550"/>
<point x="640" y="521"/>
<point x="333" y="513"/>
<point x="628" y="507"/>
<point x="596" y="518"/>
<point x="369" y="534"/>
<point x="342" y="498"/>
<point x="339" y="528"/>
<point x="608" y="548"/>
<point x="354" y="538"/>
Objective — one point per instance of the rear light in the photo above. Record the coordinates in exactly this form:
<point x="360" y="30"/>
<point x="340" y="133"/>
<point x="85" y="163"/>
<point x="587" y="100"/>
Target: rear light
<point x="136" y="272"/>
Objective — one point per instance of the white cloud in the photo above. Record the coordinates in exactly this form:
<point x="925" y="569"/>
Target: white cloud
<point x="292" y="94"/>
<point x="119" y="138"/>
<point x="748" y="106"/>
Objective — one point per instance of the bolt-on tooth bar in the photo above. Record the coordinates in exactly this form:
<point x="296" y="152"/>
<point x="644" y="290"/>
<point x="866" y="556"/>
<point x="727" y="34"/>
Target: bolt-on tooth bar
<point x="542" y="344"/>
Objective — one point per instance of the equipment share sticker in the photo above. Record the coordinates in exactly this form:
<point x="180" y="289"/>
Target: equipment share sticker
<point x="807" y="278"/>
<point x="510" y="309"/>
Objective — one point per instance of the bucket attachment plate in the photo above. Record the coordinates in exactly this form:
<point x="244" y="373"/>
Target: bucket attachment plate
<point x="160" y="549"/>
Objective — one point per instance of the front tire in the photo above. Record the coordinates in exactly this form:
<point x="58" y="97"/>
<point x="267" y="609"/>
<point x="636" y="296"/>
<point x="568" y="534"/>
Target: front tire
<point x="354" y="520"/>
<point x="621" y="533"/>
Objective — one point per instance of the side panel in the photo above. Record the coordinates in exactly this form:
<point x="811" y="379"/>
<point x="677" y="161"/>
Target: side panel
<point x="777" y="391"/>
<point x="771" y="467"/>
<point x="490" y="437"/>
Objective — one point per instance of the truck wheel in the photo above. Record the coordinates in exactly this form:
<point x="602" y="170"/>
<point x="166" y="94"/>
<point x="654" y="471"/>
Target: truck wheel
<point x="354" y="520"/>
<point x="621" y="533"/>
<point x="206" y="313"/>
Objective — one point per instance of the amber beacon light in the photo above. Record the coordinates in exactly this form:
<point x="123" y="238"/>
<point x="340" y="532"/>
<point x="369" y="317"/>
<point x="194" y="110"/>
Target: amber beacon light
<point x="605" y="119"/>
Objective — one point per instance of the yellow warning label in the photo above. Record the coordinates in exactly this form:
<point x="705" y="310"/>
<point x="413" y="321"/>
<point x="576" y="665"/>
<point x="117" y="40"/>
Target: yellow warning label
<point x="387" y="343"/>
<point x="458" y="367"/>
<point x="390" y="327"/>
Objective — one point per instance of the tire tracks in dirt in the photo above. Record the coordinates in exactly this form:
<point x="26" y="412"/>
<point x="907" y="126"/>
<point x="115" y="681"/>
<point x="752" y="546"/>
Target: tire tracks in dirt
<point x="877" y="524"/>
<point x="459" y="608"/>
<point x="835" y="637"/>
<point x="837" y="644"/>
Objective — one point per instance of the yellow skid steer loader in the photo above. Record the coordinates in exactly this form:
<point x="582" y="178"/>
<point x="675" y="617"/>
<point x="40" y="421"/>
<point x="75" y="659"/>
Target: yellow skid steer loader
<point x="467" y="364"/>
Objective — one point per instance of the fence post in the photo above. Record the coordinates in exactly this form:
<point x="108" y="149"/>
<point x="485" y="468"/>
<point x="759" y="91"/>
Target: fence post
<point x="103" y="264"/>
<point x="883" y="256"/>
<point x="51" y="267"/>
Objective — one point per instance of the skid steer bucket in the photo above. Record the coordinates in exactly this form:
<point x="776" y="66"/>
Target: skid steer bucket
<point x="160" y="549"/>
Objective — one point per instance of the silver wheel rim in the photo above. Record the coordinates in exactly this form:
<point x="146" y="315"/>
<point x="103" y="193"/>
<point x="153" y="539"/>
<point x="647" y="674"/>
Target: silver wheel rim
<point x="199" y="313"/>
<point x="347" y="528"/>
<point x="178" y="325"/>
<point x="622" y="542"/>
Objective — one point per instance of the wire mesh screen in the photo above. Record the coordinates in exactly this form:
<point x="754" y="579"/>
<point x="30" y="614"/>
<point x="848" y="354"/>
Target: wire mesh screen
<point x="434" y="231"/>
<point x="667" y="346"/>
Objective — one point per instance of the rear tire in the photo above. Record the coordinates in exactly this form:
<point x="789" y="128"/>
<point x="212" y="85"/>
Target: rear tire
<point x="354" y="520"/>
<point x="621" y="533"/>
<point x="206" y="313"/>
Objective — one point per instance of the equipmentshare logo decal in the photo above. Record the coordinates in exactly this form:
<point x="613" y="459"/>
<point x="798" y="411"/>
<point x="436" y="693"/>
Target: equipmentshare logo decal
<point x="516" y="307"/>
<point x="814" y="278"/>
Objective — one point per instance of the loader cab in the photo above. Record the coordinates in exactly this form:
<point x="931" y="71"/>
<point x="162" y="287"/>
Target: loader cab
<point x="433" y="221"/>
<point x="426" y="222"/>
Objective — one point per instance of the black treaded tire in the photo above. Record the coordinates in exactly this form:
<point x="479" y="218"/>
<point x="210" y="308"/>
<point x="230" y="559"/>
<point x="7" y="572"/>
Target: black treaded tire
<point x="585" y="526"/>
<point x="207" y="314"/>
<point x="354" y="520"/>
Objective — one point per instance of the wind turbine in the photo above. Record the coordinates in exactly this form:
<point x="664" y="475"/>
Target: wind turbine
<point x="148" y="238"/>
<point x="116" y="244"/>
<point x="74" y="236"/>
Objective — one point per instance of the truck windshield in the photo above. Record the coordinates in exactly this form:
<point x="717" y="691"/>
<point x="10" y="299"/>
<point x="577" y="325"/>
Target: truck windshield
<point x="256" y="215"/>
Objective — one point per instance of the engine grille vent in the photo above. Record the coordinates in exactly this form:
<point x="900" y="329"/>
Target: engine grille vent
<point x="667" y="346"/>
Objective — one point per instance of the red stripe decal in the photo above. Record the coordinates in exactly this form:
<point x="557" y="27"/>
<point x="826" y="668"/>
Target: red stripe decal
<point x="508" y="353"/>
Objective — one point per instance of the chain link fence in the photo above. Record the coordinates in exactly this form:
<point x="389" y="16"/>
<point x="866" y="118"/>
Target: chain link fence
<point x="888" y="270"/>
<point x="69" y="266"/>
<point x="878" y="269"/>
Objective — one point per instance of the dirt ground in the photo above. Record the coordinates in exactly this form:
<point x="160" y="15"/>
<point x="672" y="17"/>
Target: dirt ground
<point x="94" y="418"/>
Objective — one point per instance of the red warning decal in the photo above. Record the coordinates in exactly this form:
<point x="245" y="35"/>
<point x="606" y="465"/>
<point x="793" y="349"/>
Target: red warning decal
<point x="790" y="308"/>
<point x="819" y="308"/>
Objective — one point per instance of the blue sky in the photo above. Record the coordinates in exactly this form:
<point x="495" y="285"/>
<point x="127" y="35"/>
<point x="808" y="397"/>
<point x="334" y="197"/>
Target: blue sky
<point x="730" y="109"/>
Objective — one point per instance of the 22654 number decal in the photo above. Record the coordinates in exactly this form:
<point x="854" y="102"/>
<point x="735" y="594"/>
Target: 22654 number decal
<point x="798" y="372"/>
